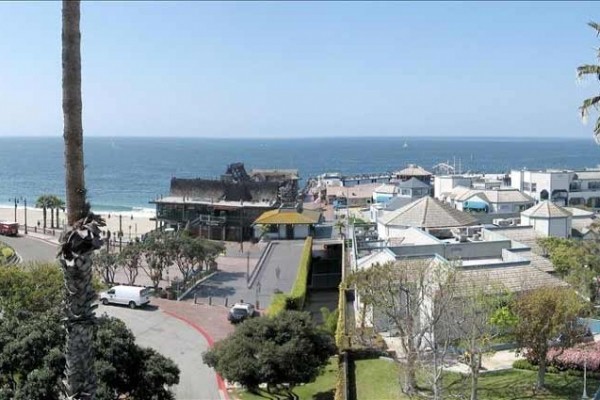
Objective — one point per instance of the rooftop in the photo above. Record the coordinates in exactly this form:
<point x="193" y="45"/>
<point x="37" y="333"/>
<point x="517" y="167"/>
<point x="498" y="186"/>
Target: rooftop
<point x="546" y="209"/>
<point x="285" y="216"/>
<point x="428" y="212"/>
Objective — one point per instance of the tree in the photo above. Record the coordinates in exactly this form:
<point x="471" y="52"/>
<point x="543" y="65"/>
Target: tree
<point x="32" y="337"/>
<point x="284" y="349"/>
<point x="190" y="253"/>
<point x="478" y="316"/>
<point x="43" y="202"/>
<point x="130" y="259"/>
<point x="411" y="296"/>
<point x="106" y="265"/>
<point x="82" y="236"/>
<point x="593" y="70"/>
<point x="55" y="203"/>
<point x="542" y="315"/>
<point x="156" y="254"/>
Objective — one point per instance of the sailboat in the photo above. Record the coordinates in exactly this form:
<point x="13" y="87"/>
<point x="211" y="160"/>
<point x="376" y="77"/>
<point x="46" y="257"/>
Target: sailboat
<point x="405" y="145"/>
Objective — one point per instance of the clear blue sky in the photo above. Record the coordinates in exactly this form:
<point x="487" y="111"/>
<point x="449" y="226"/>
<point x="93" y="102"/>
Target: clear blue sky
<point x="303" y="69"/>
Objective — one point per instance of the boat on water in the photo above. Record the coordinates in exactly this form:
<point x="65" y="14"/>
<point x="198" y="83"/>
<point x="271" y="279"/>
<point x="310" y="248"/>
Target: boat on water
<point x="405" y="145"/>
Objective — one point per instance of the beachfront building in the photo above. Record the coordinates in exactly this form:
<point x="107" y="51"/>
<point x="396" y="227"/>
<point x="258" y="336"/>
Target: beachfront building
<point x="412" y="171"/>
<point x="225" y="208"/>
<point x="427" y="214"/>
<point x="563" y="187"/>
<point x="353" y="196"/>
<point x="286" y="223"/>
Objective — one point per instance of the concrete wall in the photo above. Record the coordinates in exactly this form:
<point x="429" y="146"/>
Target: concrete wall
<point x="300" y="231"/>
<point x="457" y="250"/>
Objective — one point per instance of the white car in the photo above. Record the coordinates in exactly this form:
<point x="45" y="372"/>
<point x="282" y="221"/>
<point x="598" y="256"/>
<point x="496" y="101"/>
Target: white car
<point x="240" y="311"/>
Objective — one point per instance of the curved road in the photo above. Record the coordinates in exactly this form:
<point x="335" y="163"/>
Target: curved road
<point x="151" y="327"/>
<point x="176" y="340"/>
<point x="31" y="249"/>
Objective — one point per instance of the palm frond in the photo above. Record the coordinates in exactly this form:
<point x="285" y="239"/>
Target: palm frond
<point x="596" y="26"/>
<point x="588" y="69"/>
<point x="587" y="103"/>
<point x="597" y="131"/>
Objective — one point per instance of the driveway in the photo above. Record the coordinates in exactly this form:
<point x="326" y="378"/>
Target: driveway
<point x="174" y="339"/>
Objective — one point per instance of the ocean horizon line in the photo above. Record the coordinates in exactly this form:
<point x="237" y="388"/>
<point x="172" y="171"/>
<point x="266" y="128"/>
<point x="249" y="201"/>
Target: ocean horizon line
<point x="276" y="138"/>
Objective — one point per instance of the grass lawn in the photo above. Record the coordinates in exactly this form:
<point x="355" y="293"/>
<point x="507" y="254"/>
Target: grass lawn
<point x="379" y="379"/>
<point x="321" y="389"/>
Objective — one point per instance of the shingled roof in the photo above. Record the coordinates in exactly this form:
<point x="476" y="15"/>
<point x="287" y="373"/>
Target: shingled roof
<point x="289" y="217"/>
<point x="428" y="212"/>
<point x="546" y="209"/>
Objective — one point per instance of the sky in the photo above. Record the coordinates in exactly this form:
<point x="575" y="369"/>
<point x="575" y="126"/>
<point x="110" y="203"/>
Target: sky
<point x="303" y="69"/>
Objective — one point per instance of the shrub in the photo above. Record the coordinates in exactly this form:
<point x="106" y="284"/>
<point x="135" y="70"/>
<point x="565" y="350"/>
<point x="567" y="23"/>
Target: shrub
<point x="7" y="252"/>
<point x="299" y="289"/>
<point x="575" y="357"/>
<point x="278" y="304"/>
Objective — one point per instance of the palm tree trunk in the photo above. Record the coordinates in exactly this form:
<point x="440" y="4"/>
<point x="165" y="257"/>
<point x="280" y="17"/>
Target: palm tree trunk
<point x="51" y="218"/>
<point x="82" y="237"/>
<point x="44" y="212"/>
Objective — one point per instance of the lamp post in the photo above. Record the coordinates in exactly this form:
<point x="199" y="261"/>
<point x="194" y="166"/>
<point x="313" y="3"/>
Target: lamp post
<point x="25" y="209"/>
<point x="120" y="232"/>
<point x="16" y="201"/>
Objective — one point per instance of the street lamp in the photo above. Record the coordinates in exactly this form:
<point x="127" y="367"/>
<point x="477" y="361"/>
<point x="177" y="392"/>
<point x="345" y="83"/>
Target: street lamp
<point x="16" y="201"/>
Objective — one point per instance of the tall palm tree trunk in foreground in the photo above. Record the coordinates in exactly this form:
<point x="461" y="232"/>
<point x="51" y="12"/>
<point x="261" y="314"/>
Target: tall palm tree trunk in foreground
<point x="82" y="236"/>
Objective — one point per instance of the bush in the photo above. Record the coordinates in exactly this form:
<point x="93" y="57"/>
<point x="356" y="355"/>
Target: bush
<point x="7" y="252"/>
<point x="575" y="357"/>
<point x="526" y="364"/>
<point x="278" y="304"/>
<point x="299" y="289"/>
<point x="340" y="333"/>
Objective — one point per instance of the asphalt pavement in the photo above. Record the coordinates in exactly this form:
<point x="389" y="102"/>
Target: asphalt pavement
<point x="176" y="340"/>
<point x="32" y="248"/>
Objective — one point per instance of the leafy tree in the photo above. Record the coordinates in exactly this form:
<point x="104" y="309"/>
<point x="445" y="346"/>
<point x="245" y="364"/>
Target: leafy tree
<point x="130" y="259"/>
<point x="190" y="253"/>
<point x="402" y="293"/>
<point x="284" y="349"/>
<point x="106" y="265"/>
<point x="157" y="256"/>
<point x="592" y="102"/>
<point x="34" y="287"/>
<point x="32" y="338"/>
<point x="544" y="314"/>
<point x="478" y="315"/>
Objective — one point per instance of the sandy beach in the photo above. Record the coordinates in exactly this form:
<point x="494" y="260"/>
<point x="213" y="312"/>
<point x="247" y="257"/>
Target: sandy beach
<point x="133" y="223"/>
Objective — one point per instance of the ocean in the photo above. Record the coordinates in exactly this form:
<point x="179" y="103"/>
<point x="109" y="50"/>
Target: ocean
<point x="125" y="173"/>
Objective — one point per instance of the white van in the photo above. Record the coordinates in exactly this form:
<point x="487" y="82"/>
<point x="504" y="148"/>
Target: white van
<point x="133" y="296"/>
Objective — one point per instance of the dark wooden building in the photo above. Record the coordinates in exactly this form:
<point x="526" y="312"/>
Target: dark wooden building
<point x="225" y="209"/>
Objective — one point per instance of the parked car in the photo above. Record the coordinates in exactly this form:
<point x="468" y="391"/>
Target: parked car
<point x="133" y="296"/>
<point x="240" y="311"/>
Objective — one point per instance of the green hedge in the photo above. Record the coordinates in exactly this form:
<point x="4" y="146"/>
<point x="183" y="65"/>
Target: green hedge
<point x="299" y="289"/>
<point x="296" y="298"/>
<point x="340" y="335"/>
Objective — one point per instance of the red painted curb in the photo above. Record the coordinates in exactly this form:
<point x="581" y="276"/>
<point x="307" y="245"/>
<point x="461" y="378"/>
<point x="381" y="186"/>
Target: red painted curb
<point x="209" y="340"/>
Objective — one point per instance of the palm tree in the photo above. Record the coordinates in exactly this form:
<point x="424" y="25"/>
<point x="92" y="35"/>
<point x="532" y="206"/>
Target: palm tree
<point x="43" y="202"/>
<point x="594" y="70"/>
<point x="54" y="203"/>
<point x="82" y="236"/>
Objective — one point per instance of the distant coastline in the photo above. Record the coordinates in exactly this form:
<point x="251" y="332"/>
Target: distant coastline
<point x="123" y="174"/>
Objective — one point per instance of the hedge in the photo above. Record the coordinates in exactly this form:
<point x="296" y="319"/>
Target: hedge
<point x="299" y="289"/>
<point x="296" y="298"/>
<point x="340" y="334"/>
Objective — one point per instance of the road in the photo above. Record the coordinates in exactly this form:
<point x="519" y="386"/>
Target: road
<point x="176" y="340"/>
<point x="31" y="249"/>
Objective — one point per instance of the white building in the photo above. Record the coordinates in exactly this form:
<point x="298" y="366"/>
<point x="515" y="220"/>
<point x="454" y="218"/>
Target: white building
<point x="489" y="201"/>
<point x="563" y="187"/>
<point x="548" y="219"/>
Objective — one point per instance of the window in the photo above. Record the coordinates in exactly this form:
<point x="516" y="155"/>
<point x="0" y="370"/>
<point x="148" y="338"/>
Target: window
<point x="594" y="185"/>
<point x="533" y="186"/>
<point x="526" y="186"/>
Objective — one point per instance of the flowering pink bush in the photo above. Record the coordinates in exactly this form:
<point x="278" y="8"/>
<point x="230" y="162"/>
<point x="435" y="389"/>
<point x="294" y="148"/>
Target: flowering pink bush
<point x="574" y="357"/>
